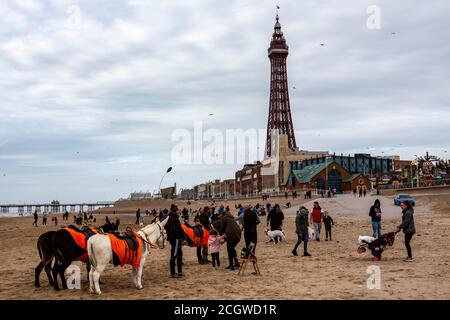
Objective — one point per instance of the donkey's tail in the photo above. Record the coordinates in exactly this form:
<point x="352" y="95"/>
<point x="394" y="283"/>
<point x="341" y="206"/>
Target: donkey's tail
<point x="90" y="251"/>
<point x="39" y="248"/>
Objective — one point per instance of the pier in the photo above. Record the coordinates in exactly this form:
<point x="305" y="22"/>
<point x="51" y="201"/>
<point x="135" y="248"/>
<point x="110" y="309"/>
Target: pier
<point x="21" y="209"/>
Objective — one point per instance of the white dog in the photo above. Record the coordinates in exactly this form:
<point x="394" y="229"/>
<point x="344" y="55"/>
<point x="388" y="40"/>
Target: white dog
<point x="365" y="239"/>
<point x="275" y="233"/>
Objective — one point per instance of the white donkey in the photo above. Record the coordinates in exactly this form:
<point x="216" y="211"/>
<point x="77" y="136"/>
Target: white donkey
<point x="100" y="253"/>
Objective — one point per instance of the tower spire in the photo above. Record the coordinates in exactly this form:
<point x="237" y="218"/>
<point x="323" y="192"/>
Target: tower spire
<point x="279" y="117"/>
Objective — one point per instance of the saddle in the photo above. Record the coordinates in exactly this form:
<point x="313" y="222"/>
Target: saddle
<point x="198" y="230"/>
<point x="130" y="238"/>
<point x="86" y="231"/>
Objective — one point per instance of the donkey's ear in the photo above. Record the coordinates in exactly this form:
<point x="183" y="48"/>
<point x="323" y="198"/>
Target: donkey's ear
<point x="107" y="220"/>
<point x="117" y="222"/>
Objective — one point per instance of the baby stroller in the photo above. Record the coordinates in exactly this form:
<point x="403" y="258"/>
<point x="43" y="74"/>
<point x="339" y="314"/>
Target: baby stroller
<point x="377" y="246"/>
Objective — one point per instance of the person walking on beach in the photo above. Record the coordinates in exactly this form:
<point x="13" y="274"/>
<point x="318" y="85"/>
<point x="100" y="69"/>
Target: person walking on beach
<point x="408" y="227"/>
<point x="375" y="214"/>
<point x="44" y="218"/>
<point x="360" y="192"/>
<point x="251" y="221"/>
<point x="354" y="192"/>
<point x="328" y="223"/>
<point x="301" y="228"/>
<point x="364" y="191"/>
<point x="35" y="216"/>
<point x="138" y="216"/>
<point x="316" y="219"/>
<point x="175" y="236"/>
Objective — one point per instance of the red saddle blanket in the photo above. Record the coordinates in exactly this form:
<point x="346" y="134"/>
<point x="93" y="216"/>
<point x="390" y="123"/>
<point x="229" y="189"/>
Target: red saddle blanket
<point x="81" y="239"/>
<point x="193" y="239"/>
<point x="123" y="254"/>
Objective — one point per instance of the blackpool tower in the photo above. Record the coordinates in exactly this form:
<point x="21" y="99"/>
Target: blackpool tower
<point x="279" y="109"/>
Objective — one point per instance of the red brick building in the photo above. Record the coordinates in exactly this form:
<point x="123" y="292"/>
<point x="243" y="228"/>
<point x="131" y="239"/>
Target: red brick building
<point x="248" y="180"/>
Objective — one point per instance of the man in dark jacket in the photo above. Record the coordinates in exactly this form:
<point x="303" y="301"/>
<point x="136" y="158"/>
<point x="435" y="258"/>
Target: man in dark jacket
<point x="251" y="220"/>
<point x="408" y="227"/>
<point x="175" y="236"/>
<point x="232" y="232"/>
<point x="301" y="228"/>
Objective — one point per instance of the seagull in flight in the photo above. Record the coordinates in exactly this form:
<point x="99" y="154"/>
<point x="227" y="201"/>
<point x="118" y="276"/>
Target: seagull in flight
<point x="294" y="88"/>
<point x="211" y="114"/>
<point x="322" y="44"/>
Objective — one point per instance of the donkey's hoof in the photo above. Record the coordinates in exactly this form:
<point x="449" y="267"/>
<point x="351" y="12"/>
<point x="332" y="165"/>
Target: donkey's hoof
<point x="139" y="287"/>
<point x="37" y="285"/>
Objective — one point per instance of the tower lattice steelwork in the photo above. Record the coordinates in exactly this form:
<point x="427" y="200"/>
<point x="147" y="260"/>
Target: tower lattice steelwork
<point x="279" y="108"/>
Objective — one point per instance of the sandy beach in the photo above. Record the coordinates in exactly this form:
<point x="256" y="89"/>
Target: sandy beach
<point x="335" y="270"/>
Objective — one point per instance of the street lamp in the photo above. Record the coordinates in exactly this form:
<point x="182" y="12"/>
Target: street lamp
<point x="167" y="171"/>
<point x="417" y="171"/>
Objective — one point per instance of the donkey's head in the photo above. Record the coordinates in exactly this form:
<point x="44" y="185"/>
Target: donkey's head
<point x="155" y="233"/>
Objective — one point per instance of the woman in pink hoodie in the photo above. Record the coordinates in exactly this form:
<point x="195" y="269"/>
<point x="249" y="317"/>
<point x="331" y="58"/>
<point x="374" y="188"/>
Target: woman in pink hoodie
<point x="214" y="242"/>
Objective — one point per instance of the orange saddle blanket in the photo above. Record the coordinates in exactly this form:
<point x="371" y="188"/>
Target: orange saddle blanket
<point x="122" y="252"/>
<point x="81" y="239"/>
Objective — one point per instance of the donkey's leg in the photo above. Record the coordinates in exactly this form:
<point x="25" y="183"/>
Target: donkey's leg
<point x="55" y="271"/>
<point x="88" y="269"/>
<point x="139" y="274"/>
<point x="62" y="272"/>
<point x="96" y="276"/>
<point x="48" y="268"/>
<point x="134" y="275"/>
<point x="91" y="280"/>
<point x="37" y="272"/>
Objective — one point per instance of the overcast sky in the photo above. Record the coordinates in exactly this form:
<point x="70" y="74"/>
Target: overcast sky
<point x="91" y="93"/>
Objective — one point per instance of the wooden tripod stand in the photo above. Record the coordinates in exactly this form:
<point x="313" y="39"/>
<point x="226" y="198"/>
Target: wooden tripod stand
<point x="249" y="257"/>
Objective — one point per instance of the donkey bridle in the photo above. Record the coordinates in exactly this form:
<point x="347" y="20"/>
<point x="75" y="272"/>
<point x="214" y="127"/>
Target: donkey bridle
<point x="161" y="234"/>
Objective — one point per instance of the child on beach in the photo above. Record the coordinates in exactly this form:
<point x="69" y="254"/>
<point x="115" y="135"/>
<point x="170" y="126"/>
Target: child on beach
<point x="328" y="222"/>
<point x="214" y="242"/>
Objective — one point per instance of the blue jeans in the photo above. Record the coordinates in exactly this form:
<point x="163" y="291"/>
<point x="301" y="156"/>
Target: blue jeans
<point x="376" y="227"/>
<point x="301" y="238"/>
<point x="317" y="228"/>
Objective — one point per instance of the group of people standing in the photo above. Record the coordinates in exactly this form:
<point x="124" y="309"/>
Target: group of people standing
<point x="226" y="230"/>
<point x="407" y="225"/>
<point x="303" y="221"/>
<point x="224" y="227"/>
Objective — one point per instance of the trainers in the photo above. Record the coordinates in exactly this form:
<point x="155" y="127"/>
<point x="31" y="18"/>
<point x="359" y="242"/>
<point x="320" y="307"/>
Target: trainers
<point x="181" y="274"/>
<point x="174" y="275"/>
<point x="326" y="239"/>
<point x="229" y="267"/>
<point x="306" y="254"/>
<point x="408" y="259"/>
<point x="294" y="253"/>
<point x="237" y="265"/>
